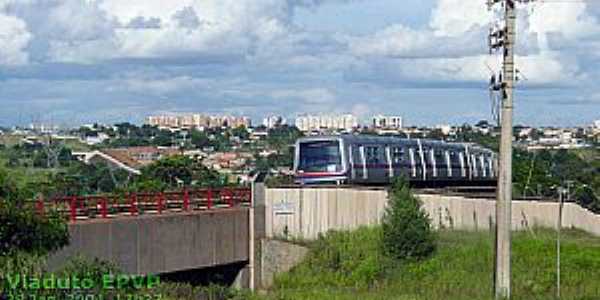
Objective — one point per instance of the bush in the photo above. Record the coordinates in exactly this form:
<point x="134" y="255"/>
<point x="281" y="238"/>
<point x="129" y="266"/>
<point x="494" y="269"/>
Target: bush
<point x="407" y="232"/>
<point x="21" y="229"/>
<point x="340" y="259"/>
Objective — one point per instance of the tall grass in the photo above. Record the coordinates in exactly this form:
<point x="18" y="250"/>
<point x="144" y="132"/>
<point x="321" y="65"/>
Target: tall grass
<point x="350" y="266"/>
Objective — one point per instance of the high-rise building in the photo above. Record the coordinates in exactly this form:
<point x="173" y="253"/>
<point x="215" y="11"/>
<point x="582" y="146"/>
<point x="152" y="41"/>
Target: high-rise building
<point x="326" y="122"/>
<point x="274" y="121"/>
<point x="197" y="121"/>
<point x="387" y="122"/>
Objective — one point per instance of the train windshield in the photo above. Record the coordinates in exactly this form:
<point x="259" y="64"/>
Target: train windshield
<point x="323" y="156"/>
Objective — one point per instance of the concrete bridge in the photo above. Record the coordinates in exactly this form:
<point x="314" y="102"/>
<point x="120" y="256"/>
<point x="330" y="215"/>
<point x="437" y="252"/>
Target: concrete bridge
<point x="158" y="233"/>
<point x="163" y="243"/>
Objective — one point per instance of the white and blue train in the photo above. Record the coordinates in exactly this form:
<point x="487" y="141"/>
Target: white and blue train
<point x="352" y="159"/>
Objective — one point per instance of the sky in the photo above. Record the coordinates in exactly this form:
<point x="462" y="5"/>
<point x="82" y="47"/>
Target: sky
<point x="70" y="62"/>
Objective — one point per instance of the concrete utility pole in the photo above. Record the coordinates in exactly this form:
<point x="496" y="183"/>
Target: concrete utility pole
<point x="561" y="192"/>
<point x="504" y="190"/>
<point x="504" y="39"/>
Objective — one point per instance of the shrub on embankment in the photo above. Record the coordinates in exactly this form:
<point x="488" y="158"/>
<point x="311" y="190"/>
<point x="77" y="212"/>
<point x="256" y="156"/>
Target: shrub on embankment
<point x="407" y="232"/>
<point x="358" y="259"/>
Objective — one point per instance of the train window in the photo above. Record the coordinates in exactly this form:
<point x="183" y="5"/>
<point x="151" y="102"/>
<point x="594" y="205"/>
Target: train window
<point x="397" y="155"/>
<point x="320" y="156"/>
<point x="372" y="154"/>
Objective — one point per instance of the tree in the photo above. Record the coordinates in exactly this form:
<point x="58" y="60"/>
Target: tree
<point x="200" y="139"/>
<point x="436" y="134"/>
<point x="21" y="229"/>
<point x="175" y="170"/>
<point x="281" y="138"/>
<point x="241" y="132"/>
<point x="14" y="187"/>
<point x="163" y="139"/>
<point x="170" y="170"/>
<point x="407" y="232"/>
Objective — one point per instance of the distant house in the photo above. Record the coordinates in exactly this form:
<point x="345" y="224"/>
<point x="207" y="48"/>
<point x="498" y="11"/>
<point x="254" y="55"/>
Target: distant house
<point x="256" y="135"/>
<point x="227" y="161"/>
<point x="95" y="138"/>
<point x="131" y="159"/>
<point x="32" y="142"/>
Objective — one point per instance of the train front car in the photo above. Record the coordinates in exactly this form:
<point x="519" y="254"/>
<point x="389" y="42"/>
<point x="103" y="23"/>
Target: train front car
<point x="320" y="160"/>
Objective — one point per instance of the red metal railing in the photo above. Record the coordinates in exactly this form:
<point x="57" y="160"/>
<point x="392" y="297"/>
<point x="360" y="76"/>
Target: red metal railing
<point x="134" y="204"/>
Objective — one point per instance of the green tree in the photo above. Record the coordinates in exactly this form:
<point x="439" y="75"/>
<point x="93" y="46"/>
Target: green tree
<point x="21" y="229"/>
<point x="282" y="137"/>
<point x="241" y="132"/>
<point x="407" y="232"/>
<point x="200" y="139"/>
<point x="176" y="170"/>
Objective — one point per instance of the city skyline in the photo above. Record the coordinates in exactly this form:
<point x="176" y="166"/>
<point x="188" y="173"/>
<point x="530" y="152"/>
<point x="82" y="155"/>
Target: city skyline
<point x="75" y="62"/>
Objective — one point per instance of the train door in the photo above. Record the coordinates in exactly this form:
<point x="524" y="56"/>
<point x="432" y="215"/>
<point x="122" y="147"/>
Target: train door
<point x="377" y="167"/>
<point x="469" y="166"/>
<point x="474" y="166"/>
<point x="491" y="166"/>
<point x="401" y="162"/>
<point x="351" y="163"/>
<point x="413" y="163"/>
<point x="441" y="165"/>
<point x="463" y="167"/>
<point x="456" y="164"/>
<point x="448" y="164"/>
<point x="433" y="163"/>
<point x="360" y="163"/>
<point x="484" y="171"/>
<point x="389" y="162"/>
<point x="421" y="163"/>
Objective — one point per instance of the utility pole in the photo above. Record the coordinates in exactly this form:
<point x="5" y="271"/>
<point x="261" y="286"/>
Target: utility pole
<point x="504" y="39"/>
<point x="504" y="189"/>
<point x="561" y="201"/>
<point x="561" y="193"/>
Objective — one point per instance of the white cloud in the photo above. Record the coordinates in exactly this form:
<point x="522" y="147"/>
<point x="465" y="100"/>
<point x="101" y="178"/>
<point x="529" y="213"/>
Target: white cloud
<point x="399" y="41"/>
<point x="96" y="30"/>
<point x="14" y="38"/>
<point x="452" y="46"/>
<point x="311" y="96"/>
<point x="163" y="86"/>
<point x="455" y="17"/>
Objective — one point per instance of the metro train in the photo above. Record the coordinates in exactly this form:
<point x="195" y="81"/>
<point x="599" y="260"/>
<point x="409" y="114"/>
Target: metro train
<point x="377" y="160"/>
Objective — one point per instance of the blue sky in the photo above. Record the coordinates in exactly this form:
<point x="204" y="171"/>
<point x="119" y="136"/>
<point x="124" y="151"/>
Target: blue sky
<point x="69" y="62"/>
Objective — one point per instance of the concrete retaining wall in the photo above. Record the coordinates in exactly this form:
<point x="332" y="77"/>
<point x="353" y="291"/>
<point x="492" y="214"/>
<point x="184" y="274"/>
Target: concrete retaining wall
<point x="162" y="244"/>
<point x="479" y="214"/>
<point x="278" y="257"/>
<point x="305" y="213"/>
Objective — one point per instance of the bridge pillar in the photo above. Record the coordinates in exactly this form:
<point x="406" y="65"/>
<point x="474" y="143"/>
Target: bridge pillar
<point x="257" y="233"/>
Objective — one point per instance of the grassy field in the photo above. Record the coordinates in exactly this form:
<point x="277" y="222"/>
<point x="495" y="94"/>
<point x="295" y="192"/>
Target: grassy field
<point x="461" y="269"/>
